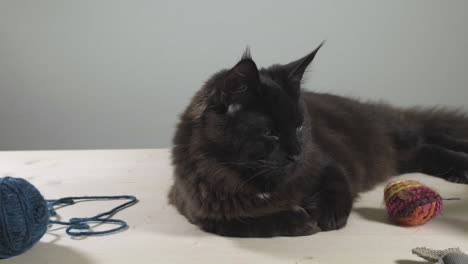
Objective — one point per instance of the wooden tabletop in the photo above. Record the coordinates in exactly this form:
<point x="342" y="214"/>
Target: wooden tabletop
<point x="158" y="234"/>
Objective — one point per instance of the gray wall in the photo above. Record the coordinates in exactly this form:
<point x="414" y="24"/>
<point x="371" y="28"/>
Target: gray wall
<point x="115" y="74"/>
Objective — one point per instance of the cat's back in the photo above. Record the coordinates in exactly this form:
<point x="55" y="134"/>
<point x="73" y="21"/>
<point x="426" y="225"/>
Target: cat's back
<point x="353" y="114"/>
<point x="357" y="135"/>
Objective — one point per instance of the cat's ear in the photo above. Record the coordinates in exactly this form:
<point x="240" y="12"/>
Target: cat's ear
<point x="244" y="75"/>
<point x="297" y="68"/>
<point x="240" y="82"/>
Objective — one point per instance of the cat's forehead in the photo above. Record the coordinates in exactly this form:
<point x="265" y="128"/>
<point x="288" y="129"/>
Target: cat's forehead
<point x="269" y="81"/>
<point x="274" y="109"/>
<point x="277" y="100"/>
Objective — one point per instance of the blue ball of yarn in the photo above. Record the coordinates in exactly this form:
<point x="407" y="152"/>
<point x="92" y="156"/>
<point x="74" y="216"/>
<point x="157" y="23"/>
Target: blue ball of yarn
<point x="23" y="216"/>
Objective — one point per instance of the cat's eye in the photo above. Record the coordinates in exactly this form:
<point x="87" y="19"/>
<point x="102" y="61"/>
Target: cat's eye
<point x="270" y="135"/>
<point x="299" y="129"/>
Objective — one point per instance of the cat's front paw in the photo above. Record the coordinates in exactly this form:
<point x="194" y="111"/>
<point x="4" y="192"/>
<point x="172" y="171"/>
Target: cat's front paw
<point x="306" y="229"/>
<point x="294" y="222"/>
<point x="458" y="176"/>
<point x="332" y="218"/>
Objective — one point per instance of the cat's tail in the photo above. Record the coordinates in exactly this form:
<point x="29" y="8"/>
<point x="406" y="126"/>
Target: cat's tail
<point x="443" y="151"/>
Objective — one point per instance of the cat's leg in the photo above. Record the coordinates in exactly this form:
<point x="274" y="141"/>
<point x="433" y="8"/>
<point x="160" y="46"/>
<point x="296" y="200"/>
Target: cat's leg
<point x="334" y="200"/>
<point x="448" y="142"/>
<point x="285" y="223"/>
<point x="444" y="149"/>
<point x="442" y="162"/>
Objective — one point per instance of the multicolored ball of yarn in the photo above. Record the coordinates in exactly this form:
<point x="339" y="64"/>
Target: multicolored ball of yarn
<point x="410" y="203"/>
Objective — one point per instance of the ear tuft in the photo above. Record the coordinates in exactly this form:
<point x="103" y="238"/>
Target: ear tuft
<point x="297" y="68"/>
<point x="246" y="54"/>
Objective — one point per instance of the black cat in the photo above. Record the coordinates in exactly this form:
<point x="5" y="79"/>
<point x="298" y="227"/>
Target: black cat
<point x="256" y="156"/>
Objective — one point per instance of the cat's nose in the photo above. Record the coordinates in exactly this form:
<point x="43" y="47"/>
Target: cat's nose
<point x="293" y="158"/>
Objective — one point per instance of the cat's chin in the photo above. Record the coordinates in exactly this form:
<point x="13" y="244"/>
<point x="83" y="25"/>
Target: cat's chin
<point x="275" y="179"/>
<point x="291" y="168"/>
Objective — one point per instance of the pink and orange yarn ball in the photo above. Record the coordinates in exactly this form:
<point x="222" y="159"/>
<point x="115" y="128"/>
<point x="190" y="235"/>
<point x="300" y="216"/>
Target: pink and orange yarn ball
<point x="410" y="203"/>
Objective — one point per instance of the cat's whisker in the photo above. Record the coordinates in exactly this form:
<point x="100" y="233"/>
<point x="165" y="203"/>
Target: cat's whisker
<point x="252" y="177"/>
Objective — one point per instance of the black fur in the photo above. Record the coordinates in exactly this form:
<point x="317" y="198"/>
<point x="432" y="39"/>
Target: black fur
<point x="256" y="156"/>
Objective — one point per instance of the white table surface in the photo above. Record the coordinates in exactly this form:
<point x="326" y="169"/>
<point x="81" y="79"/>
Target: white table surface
<point x="158" y="234"/>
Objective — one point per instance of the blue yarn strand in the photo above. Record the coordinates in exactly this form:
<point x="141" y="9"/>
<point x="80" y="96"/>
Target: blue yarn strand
<point x="82" y="223"/>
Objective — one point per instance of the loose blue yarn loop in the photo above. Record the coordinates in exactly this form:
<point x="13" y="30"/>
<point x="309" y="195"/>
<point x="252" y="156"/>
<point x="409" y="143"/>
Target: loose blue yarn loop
<point x="83" y="223"/>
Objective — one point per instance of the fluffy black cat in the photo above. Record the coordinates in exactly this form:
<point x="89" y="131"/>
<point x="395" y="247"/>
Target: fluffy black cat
<point x="255" y="156"/>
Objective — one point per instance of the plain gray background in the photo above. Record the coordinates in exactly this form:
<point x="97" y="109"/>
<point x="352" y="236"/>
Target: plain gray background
<point x="116" y="74"/>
